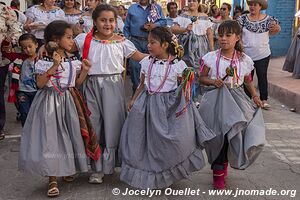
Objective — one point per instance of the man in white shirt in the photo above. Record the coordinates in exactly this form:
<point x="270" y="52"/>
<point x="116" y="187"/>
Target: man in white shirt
<point x="178" y="24"/>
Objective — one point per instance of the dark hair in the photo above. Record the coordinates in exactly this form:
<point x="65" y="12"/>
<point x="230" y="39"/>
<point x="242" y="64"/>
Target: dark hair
<point x="211" y="11"/>
<point x="27" y="36"/>
<point x="63" y="4"/>
<point x="100" y="8"/>
<point x="228" y="6"/>
<point x="2" y="3"/>
<point x="55" y="30"/>
<point x="15" y="3"/>
<point x="171" y="4"/>
<point x="232" y="26"/>
<point x="122" y="6"/>
<point x="163" y="34"/>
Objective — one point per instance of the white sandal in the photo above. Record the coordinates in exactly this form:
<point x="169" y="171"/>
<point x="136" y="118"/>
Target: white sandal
<point x="96" y="178"/>
<point x="53" y="192"/>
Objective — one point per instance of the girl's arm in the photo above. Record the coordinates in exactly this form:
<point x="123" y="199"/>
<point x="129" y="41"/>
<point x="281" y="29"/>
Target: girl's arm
<point x="138" y="56"/>
<point x="204" y="79"/>
<point x="26" y="26"/>
<point x="210" y="36"/>
<point x="251" y="89"/>
<point x="86" y="65"/>
<point x="137" y="92"/>
<point x="44" y="78"/>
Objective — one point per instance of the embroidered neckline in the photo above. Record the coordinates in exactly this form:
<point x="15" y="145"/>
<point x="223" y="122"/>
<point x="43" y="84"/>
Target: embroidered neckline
<point x="49" y="11"/>
<point x="49" y="59"/>
<point x="109" y="41"/>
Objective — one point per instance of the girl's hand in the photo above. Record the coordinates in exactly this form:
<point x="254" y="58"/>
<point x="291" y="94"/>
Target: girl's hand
<point x="218" y="83"/>
<point x="56" y="59"/>
<point x="129" y="105"/>
<point x="86" y="65"/>
<point x="258" y="102"/>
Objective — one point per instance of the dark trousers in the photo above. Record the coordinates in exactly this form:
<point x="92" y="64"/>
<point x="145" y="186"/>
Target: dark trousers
<point x="24" y="102"/>
<point x="222" y="157"/>
<point x="3" y="74"/>
<point x="261" y="68"/>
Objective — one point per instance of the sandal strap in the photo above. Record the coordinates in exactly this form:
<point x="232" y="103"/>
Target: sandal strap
<point x="52" y="182"/>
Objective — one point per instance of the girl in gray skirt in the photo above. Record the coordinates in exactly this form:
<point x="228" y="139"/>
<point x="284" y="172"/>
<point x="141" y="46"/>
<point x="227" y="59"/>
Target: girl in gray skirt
<point x="232" y="116"/>
<point x="163" y="134"/>
<point x="51" y="142"/>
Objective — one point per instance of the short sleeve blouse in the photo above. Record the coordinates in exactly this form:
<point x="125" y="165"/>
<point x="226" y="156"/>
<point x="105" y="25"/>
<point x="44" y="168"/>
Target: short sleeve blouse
<point x="256" y="36"/>
<point x="63" y="72"/>
<point x="43" y="17"/>
<point x="72" y="18"/>
<point x="158" y="73"/>
<point x="106" y="57"/>
<point x="244" y="66"/>
<point x="201" y="25"/>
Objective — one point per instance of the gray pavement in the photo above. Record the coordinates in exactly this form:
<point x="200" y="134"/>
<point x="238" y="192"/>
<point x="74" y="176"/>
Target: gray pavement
<point x="277" y="168"/>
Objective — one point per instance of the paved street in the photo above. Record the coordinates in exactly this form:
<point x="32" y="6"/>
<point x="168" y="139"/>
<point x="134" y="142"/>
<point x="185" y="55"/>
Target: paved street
<point x="277" y="168"/>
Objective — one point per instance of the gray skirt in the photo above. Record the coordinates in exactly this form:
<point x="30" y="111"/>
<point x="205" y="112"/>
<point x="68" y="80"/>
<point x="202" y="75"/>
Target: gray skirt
<point x="159" y="148"/>
<point x="292" y="60"/>
<point x="195" y="47"/>
<point x="105" y="97"/>
<point x="51" y="141"/>
<point x="231" y="112"/>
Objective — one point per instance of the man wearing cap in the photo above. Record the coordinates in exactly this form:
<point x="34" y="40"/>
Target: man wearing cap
<point x="257" y="28"/>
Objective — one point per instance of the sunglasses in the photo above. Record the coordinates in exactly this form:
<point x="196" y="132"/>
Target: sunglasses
<point x="223" y="9"/>
<point x="192" y="0"/>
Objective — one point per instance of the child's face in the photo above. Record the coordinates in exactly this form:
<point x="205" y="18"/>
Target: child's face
<point x="29" y="47"/>
<point x="106" y="23"/>
<point x="66" y="42"/>
<point x="155" y="48"/>
<point x="69" y="3"/>
<point x="228" y="40"/>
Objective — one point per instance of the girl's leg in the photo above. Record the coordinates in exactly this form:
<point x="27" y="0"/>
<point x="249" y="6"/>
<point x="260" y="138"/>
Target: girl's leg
<point x="52" y="187"/>
<point x="219" y="167"/>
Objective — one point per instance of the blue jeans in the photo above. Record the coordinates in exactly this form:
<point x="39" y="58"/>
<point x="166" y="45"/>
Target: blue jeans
<point x="24" y="101"/>
<point x="135" y="67"/>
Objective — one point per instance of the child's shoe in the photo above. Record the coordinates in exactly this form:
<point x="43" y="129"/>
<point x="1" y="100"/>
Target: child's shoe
<point x="219" y="181"/>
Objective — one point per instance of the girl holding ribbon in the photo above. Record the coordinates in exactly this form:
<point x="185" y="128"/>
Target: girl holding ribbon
<point x="54" y="141"/>
<point x="235" y="119"/>
<point x="163" y="134"/>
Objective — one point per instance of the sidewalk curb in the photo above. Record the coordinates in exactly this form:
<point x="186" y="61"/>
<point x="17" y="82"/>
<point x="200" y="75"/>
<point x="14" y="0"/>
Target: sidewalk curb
<point x="286" y="97"/>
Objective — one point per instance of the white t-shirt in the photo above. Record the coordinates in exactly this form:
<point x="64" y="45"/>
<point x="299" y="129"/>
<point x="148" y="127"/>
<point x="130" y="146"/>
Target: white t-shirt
<point x="256" y="36"/>
<point x="106" y="57"/>
<point x="41" y="66"/>
<point x="244" y="66"/>
<point x="44" y="18"/>
<point x="158" y="72"/>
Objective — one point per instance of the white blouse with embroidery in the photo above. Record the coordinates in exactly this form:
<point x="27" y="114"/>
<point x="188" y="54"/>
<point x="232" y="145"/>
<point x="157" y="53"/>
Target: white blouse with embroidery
<point x="72" y="18"/>
<point x="244" y="66"/>
<point x="63" y="72"/>
<point x="158" y="73"/>
<point x="106" y="57"/>
<point x="87" y="23"/>
<point x="201" y="25"/>
<point x="43" y="18"/>
<point x="256" y="36"/>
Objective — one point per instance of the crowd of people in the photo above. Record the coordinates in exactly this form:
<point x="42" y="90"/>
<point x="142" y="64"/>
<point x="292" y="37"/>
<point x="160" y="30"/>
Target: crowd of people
<point x="191" y="80"/>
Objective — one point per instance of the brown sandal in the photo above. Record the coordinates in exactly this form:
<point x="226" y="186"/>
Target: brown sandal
<point x="53" y="191"/>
